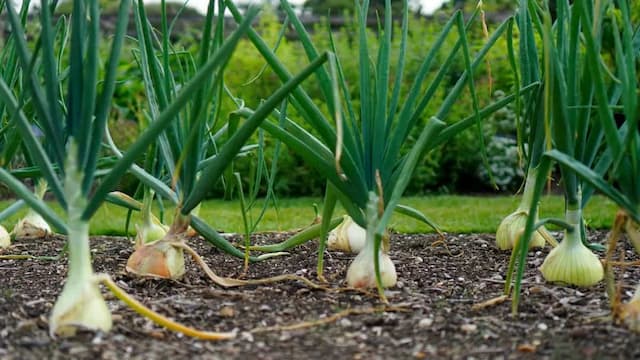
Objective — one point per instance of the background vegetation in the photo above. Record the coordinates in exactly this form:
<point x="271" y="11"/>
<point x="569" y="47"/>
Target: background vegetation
<point x="453" y="168"/>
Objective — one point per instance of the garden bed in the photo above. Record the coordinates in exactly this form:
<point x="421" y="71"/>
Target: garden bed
<point x="432" y="315"/>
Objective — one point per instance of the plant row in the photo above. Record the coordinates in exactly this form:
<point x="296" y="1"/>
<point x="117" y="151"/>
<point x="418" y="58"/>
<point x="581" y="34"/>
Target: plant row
<point x="574" y="101"/>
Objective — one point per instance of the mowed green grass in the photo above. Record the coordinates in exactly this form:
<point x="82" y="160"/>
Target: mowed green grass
<point x="454" y="214"/>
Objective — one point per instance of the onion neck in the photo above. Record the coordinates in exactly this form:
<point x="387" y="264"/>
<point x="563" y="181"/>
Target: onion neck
<point x="79" y="253"/>
<point x="573" y="216"/>
<point x="180" y="222"/>
<point x="529" y="189"/>
<point x="369" y="244"/>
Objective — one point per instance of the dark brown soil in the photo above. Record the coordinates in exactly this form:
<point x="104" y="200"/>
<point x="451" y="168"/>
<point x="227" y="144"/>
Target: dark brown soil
<point x="437" y="288"/>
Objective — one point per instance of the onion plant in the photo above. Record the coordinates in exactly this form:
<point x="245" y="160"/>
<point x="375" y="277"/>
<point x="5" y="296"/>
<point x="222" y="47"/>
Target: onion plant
<point x="73" y="122"/>
<point x="622" y="140"/>
<point x="531" y="125"/>
<point x="32" y="225"/>
<point x="587" y="143"/>
<point x="191" y="153"/>
<point x="361" y="152"/>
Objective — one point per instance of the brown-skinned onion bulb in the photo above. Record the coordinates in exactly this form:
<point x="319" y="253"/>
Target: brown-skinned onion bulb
<point x="159" y="259"/>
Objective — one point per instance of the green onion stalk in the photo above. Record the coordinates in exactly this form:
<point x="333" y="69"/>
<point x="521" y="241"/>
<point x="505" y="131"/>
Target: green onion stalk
<point x="150" y="228"/>
<point x="362" y="154"/>
<point x="186" y="146"/>
<point x="74" y="134"/>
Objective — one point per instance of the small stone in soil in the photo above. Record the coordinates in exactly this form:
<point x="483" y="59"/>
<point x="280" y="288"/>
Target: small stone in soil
<point x="426" y="322"/>
<point x="227" y="311"/>
<point x="468" y="328"/>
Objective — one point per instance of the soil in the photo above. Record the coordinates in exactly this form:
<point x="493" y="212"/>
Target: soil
<point x="432" y="318"/>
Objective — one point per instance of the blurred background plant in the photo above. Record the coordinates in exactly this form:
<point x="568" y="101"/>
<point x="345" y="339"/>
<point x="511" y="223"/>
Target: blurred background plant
<point x="458" y="161"/>
<point x="502" y="149"/>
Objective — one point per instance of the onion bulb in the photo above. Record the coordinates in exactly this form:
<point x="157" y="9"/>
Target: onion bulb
<point x="571" y="262"/>
<point x="32" y="226"/>
<point x="512" y="226"/>
<point x="159" y="259"/>
<point x="347" y="237"/>
<point x="5" y="238"/>
<point x="361" y="272"/>
<point x="80" y="305"/>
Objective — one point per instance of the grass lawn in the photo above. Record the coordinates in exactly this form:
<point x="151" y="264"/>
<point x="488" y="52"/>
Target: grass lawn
<point x="455" y="214"/>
